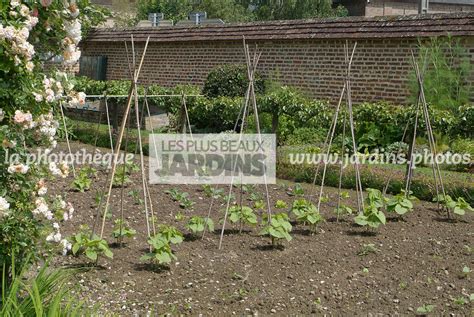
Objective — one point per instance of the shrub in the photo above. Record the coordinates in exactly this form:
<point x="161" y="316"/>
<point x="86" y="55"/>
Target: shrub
<point x="28" y="98"/>
<point x="465" y="126"/>
<point x="304" y="136"/>
<point x="230" y="81"/>
<point x="215" y="115"/>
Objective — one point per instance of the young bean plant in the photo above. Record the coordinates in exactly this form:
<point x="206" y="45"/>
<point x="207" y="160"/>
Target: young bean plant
<point x="90" y="244"/>
<point x="181" y="197"/>
<point x="372" y="216"/>
<point x="401" y="204"/>
<point x="160" y="245"/>
<point x="278" y="229"/>
<point x="210" y="191"/>
<point x="122" y="175"/>
<point x="458" y="207"/>
<point x="306" y="213"/>
<point x="242" y="215"/>
<point x="171" y="234"/>
<point x="197" y="224"/>
<point x="83" y="180"/>
<point x="160" y="253"/>
<point x="135" y="194"/>
<point x="122" y="230"/>
<point x="342" y="209"/>
<point x="296" y="191"/>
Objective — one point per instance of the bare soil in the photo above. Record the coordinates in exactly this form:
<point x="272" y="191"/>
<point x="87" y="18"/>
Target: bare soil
<point x="418" y="260"/>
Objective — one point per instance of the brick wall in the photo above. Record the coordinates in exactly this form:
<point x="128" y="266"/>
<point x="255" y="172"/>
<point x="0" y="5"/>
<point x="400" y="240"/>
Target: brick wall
<point x="380" y="69"/>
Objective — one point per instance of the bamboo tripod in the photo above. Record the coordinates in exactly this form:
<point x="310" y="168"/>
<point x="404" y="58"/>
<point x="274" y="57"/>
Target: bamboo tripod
<point x="423" y="107"/>
<point x="132" y="96"/>
<point x="250" y="100"/>
<point x="347" y="92"/>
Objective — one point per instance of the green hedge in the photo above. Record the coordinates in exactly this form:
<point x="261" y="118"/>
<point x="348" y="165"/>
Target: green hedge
<point x="423" y="186"/>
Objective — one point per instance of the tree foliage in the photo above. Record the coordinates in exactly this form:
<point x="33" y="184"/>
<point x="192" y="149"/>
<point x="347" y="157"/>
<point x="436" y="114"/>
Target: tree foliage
<point x="242" y="10"/>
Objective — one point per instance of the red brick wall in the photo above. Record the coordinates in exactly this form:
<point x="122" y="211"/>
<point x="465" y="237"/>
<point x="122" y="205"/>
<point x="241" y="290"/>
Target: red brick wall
<point x="380" y="69"/>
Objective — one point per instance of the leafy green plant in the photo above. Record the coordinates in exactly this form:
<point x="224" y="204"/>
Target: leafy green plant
<point x="367" y="249"/>
<point x="298" y="190"/>
<point x="161" y="252"/>
<point x="197" y="224"/>
<point x="342" y="209"/>
<point x="181" y="197"/>
<point x="307" y="213"/>
<point x="175" y="194"/>
<point x="135" y="194"/>
<point x="186" y="203"/>
<point x="122" y="230"/>
<point x="230" y="81"/>
<point x="83" y="180"/>
<point x="248" y="188"/>
<point x="170" y="233"/>
<point x="242" y="215"/>
<point x="46" y="293"/>
<point x="259" y="205"/>
<point x="179" y="216"/>
<point x="372" y="216"/>
<point x="278" y="229"/>
<point x="122" y="176"/>
<point x="401" y="203"/>
<point x="160" y="245"/>
<point x="458" y="207"/>
<point x="255" y="196"/>
<point x="425" y="309"/>
<point x="280" y="204"/>
<point x="210" y="191"/>
<point x="91" y="245"/>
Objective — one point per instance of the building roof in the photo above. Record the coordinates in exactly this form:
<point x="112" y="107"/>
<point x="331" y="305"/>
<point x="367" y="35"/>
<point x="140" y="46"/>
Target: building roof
<point x="456" y="24"/>
<point x="463" y="2"/>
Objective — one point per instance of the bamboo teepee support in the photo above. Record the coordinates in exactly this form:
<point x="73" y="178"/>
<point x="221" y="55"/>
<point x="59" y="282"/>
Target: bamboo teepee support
<point x="250" y="97"/>
<point x="121" y="132"/>
<point x="346" y="91"/>
<point x="424" y="107"/>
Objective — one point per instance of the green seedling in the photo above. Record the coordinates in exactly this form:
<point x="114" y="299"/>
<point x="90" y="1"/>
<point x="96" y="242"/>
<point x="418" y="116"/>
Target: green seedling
<point x="425" y="309"/>
<point x="83" y="180"/>
<point x="458" y="207"/>
<point x="122" y="230"/>
<point x="280" y="204"/>
<point x="135" y="194"/>
<point x="306" y="213"/>
<point x="170" y="233"/>
<point x="401" y="204"/>
<point x="242" y="215"/>
<point x="91" y="245"/>
<point x="372" y="216"/>
<point x="160" y="253"/>
<point x="367" y="249"/>
<point x="197" y="224"/>
<point x="296" y="191"/>
<point x="278" y="229"/>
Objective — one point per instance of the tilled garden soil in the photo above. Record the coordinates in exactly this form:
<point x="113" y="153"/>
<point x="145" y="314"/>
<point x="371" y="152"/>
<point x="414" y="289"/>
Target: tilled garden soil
<point x="417" y="261"/>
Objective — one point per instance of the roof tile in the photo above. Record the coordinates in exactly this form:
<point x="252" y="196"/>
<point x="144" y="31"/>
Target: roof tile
<point x="455" y="24"/>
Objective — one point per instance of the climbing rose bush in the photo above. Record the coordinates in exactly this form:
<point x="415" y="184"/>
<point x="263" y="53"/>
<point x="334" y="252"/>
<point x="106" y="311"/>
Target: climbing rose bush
<point x="31" y="32"/>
